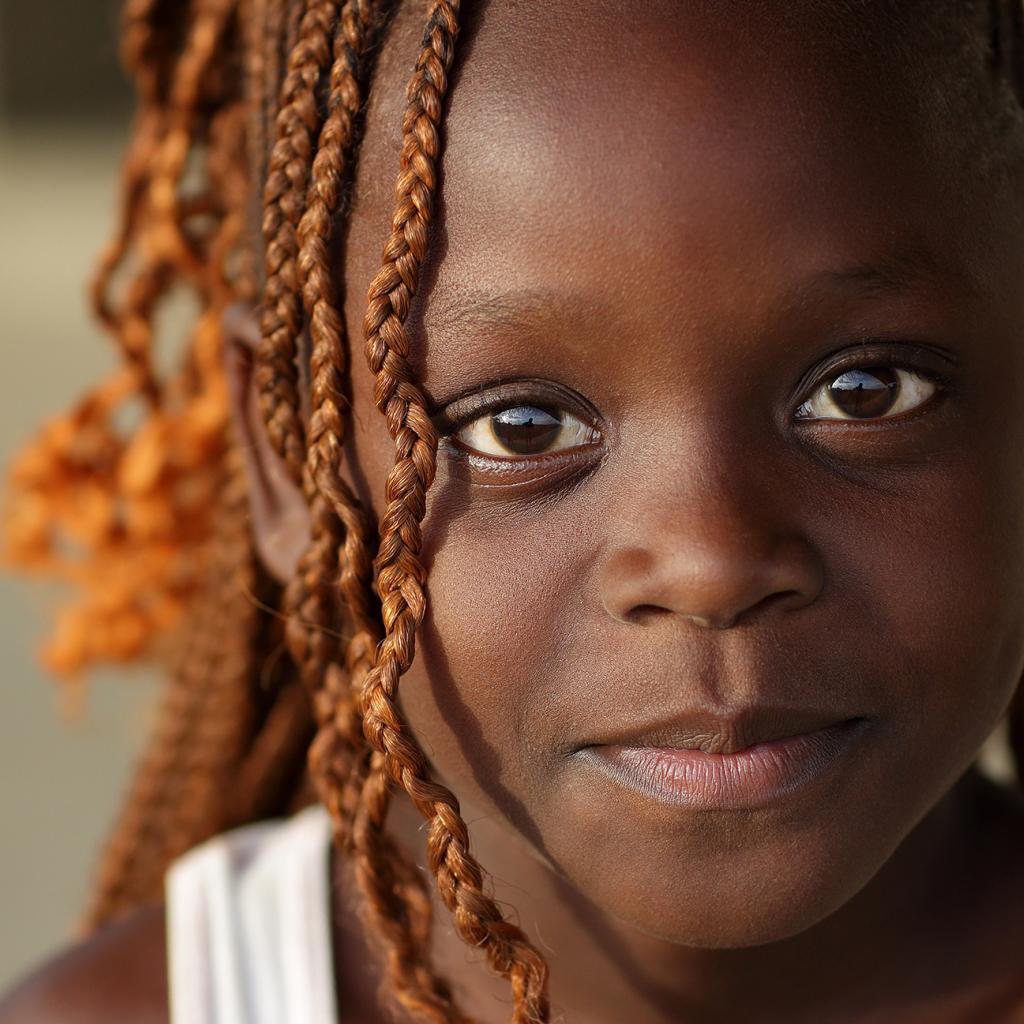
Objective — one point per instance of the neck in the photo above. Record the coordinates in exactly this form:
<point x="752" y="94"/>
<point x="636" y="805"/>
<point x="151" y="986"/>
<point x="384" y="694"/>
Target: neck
<point x="865" y="954"/>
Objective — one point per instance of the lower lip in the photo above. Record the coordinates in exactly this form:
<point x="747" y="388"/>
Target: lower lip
<point x="759" y="775"/>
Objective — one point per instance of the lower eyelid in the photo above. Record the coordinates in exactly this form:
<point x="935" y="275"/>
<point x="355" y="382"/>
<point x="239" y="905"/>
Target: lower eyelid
<point x="492" y="473"/>
<point x="925" y="413"/>
<point x="458" y="448"/>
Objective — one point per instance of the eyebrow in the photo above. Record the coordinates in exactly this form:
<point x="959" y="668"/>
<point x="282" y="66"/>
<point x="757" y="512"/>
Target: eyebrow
<point x="897" y="272"/>
<point x="486" y="309"/>
<point x="900" y="271"/>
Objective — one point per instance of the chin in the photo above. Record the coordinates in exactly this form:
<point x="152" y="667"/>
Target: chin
<point x="721" y="924"/>
<point x="735" y="893"/>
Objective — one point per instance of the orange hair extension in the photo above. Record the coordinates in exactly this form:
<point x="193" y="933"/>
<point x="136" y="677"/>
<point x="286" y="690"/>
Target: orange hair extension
<point x="149" y="523"/>
<point x="127" y="518"/>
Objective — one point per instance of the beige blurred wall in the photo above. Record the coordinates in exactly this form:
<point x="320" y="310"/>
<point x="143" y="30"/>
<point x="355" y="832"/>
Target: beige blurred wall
<point x="59" y="780"/>
<point x="63" y="119"/>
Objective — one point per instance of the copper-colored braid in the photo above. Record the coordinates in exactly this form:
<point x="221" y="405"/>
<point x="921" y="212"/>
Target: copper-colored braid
<point x="255" y="16"/>
<point x="271" y="780"/>
<point x="141" y="56"/>
<point x="223" y="733"/>
<point x="203" y="729"/>
<point x="401" y="577"/>
<point x="340" y="550"/>
<point x="297" y="126"/>
<point x="130" y="870"/>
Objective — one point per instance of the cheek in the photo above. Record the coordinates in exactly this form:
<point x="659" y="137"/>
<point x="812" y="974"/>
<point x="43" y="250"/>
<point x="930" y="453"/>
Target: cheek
<point x="956" y="613"/>
<point x="949" y="603"/>
<point x="949" y="600"/>
<point x="496" y="615"/>
<point x="501" y="611"/>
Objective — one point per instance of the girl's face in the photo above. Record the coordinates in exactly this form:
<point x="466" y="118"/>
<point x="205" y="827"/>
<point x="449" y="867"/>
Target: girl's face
<point x="689" y="235"/>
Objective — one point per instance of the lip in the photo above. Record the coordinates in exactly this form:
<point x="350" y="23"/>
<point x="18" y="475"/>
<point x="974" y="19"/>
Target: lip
<point x="719" y="730"/>
<point x="763" y="772"/>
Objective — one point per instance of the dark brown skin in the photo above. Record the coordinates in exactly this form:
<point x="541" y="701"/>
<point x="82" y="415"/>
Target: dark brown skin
<point x="674" y="247"/>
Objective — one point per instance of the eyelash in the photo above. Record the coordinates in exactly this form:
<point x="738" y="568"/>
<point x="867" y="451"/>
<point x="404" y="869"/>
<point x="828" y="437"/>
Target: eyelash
<point x="480" y="406"/>
<point x="867" y="360"/>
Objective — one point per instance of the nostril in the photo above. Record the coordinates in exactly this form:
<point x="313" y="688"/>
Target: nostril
<point x="641" y="612"/>
<point x="652" y="609"/>
<point x="780" y="595"/>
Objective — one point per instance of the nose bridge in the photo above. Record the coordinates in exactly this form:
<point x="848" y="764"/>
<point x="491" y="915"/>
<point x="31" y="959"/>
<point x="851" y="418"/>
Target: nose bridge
<point x="711" y="542"/>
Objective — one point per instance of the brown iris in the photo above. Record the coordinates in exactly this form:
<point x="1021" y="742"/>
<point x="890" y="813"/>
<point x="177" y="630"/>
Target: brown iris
<point x="527" y="429"/>
<point x="865" y="393"/>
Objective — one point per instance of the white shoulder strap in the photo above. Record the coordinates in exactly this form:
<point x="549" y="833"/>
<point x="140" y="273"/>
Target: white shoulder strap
<point x="248" y="926"/>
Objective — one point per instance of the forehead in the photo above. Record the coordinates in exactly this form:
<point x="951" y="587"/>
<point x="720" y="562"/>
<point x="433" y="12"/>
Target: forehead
<point x="568" y="121"/>
<point x="658" y="151"/>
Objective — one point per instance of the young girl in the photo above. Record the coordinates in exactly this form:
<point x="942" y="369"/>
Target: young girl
<point x="664" y="556"/>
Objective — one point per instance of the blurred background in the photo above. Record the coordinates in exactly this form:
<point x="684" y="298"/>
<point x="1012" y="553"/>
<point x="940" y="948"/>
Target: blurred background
<point x="64" y="114"/>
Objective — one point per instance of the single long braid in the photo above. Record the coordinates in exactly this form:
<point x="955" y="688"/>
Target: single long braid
<point x="151" y="524"/>
<point x="340" y="548"/>
<point x="400" y="576"/>
<point x="202" y="730"/>
<point x="297" y="127"/>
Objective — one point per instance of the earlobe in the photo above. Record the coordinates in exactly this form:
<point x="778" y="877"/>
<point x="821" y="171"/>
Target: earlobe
<point x="280" y="516"/>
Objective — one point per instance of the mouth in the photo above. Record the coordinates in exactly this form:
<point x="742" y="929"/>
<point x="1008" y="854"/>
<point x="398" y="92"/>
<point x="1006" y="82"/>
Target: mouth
<point x="738" y="763"/>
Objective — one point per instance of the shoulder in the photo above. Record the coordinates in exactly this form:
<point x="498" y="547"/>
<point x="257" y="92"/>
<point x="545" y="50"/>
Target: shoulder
<point x="118" y="975"/>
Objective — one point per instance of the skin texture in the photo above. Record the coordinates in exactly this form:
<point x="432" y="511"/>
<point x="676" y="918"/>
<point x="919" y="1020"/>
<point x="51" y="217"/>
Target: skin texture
<point x="677" y="249"/>
<point x="119" y="974"/>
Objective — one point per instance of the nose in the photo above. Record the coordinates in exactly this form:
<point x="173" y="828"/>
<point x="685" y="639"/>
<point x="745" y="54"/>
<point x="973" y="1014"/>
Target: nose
<point x="710" y="560"/>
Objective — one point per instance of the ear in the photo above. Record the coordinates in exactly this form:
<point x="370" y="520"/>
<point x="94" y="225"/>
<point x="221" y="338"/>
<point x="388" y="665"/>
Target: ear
<point x="280" y="516"/>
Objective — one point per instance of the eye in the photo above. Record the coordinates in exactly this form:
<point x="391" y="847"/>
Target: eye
<point x="525" y="430"/>
<point x="868" y="393"/>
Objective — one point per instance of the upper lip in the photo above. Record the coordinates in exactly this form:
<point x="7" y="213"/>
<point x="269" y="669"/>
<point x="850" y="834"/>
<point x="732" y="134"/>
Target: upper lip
<point x="723" y="732"/>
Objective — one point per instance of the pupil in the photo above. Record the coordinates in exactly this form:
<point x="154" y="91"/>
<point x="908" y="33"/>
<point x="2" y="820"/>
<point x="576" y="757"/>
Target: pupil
<point x="527" y="429"/>
<point x="865" y="393"/>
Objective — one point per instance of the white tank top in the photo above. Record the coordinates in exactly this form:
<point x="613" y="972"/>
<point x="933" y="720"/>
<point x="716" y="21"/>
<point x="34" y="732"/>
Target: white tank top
<point x="248" y="926"/>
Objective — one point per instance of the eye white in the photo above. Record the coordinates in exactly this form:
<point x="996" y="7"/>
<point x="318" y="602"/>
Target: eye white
<point x="912" y="391"/>
<point x="479" y="434"/>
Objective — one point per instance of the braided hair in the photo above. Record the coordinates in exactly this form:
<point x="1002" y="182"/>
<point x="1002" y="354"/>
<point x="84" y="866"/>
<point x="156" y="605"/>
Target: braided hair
<point x="137" y="495"/>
